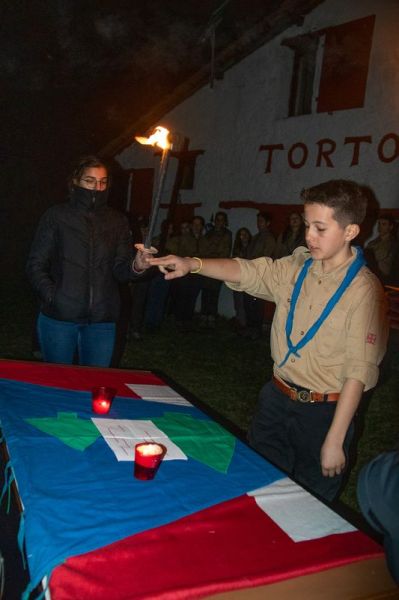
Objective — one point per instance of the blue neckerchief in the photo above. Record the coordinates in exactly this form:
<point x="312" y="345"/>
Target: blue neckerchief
<point x="351" y="273"/>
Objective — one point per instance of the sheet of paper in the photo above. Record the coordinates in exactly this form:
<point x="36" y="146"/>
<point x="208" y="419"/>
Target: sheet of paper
<point x="158" y="393"/>
<point x="122" y="435"/>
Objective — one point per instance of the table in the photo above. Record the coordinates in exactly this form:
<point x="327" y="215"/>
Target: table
<point x="198" y="530"/>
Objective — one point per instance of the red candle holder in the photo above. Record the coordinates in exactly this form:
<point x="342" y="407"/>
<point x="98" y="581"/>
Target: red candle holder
<point x="147" y="458"/>
<point x="102" y="399"/>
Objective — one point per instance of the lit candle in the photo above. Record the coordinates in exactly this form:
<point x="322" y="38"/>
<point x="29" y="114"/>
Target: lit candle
<point x="147" y="458"/>
<point x="102" y="399"/>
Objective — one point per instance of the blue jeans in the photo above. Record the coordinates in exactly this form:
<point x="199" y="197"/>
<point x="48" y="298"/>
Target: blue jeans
<point x="60" y="341"/>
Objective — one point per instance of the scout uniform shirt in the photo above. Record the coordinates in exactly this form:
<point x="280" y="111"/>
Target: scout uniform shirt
<point x="349" y="344"/>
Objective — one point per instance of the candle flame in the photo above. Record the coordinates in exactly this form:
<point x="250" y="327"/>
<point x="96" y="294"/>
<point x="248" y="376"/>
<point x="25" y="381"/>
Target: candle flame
<point x="158" y="138"/>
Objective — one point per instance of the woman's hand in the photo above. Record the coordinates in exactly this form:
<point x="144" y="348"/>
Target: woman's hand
<point x="141" y="262"/>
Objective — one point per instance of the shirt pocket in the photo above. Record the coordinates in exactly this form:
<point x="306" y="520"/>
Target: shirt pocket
<point x="330" y="340"/>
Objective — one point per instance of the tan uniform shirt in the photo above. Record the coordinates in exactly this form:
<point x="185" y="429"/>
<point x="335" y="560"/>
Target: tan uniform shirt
<point x="349" y="344"/>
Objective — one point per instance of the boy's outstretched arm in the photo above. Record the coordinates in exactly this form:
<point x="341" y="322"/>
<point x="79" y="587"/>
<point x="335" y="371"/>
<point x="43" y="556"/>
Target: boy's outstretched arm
<point x="224" y="269"/>
<point x="332" y="456"/>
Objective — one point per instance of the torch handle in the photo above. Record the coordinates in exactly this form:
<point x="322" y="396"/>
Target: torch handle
<point x="157" y="197"/>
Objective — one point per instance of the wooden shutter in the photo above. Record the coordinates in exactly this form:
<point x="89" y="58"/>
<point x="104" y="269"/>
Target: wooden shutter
<point x="345" y="65"/>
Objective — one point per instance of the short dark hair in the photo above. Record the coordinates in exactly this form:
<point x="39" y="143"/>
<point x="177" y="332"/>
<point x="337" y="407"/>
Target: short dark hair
<point x="200" y="218"/>
<point x="265" y="215"/>
<point x="388" y="217"/>
<point x="347" y="199"/>
<point x="223" y="214"/>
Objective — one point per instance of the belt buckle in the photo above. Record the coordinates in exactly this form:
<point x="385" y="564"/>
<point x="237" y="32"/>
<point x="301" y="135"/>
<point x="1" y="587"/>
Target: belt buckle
<point x="304" y="396"/>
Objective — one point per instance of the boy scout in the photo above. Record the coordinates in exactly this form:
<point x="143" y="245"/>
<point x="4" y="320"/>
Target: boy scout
<point x="328" y="336"/>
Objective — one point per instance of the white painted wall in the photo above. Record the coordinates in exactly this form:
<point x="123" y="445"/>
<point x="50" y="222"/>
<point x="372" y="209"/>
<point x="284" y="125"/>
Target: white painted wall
<point x="248" y="108"/>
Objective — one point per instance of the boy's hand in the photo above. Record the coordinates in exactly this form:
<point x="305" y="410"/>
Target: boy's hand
<point x="174" y="266"/>
<point x="332" y="458"/>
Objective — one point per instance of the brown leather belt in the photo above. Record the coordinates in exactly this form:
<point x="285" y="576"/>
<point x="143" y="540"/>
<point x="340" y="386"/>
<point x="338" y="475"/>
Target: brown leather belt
<point x="303" y="395"/>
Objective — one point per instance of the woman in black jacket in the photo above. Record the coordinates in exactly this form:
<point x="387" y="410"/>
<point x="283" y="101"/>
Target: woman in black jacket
<point x="81" y="250"/>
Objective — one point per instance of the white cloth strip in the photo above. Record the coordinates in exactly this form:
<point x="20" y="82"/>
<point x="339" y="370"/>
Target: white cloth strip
<point x="158" y="393"/>
<point x="299" y="514"/>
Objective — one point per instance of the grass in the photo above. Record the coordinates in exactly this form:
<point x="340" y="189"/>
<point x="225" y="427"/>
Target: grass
<point x="223" y="371"/>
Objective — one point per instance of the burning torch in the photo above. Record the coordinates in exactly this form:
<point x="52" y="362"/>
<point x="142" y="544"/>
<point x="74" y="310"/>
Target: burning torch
<point x="160" y="138"/>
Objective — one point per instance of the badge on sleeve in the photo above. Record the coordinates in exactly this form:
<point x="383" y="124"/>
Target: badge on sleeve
<point x="371" y="338"/>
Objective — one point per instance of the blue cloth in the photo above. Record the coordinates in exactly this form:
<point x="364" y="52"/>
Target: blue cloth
<point x="75" y="502"/>
<point x="61" y="340"/>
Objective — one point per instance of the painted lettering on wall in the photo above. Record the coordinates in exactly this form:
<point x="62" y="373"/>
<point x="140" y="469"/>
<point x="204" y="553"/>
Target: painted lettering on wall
<point x="297" y="155"/>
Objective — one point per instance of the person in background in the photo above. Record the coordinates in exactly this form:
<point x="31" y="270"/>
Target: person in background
<point x="218" y="242"/>
<point x="81" y="250"/>
<point x="382" y="249"/>
<point x="263" y="243"/>
<point x="240" y="250"/>
<point x="292" y="237"/>
<point x="159" y="288"/>
<point x="328" y="336"/>
<point x="185" y="292"/>
<point x="185" y="227"/>
<point x="139" y="287"/>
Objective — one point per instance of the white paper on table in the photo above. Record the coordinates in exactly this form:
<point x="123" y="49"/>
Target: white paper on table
<point x="158" y="393"/>
<point x="298" y="513"/>
<point x="122" y="435"/>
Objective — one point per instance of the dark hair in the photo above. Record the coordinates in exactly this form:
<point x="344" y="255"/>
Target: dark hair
<point x="388" y="217"/>
<point x="86" y="162"/>
<point x="265" y="215"/>
<point x="237" y="246"/>
<point x="200" y="218"/>
<point x="223" y="215"/>
<point x="300" y="234"/>
<point x="347" y="199"/>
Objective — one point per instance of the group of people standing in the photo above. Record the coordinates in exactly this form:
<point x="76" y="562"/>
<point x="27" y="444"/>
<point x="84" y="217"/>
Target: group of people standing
<point x="215" y="240"/>
<point x="83" y="251"/>
<point x="250" y="310"/>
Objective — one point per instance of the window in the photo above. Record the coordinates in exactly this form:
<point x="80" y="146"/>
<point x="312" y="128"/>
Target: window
<point x="303" y="75"/>
<point x="330" y="67"/>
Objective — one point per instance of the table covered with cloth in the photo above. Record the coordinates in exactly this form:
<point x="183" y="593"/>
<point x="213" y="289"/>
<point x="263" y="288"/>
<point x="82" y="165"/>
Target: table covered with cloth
<point x="224" y="519"/>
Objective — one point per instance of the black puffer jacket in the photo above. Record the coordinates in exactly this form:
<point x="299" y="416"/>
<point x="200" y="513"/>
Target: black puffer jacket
<point x="81" y="249"/>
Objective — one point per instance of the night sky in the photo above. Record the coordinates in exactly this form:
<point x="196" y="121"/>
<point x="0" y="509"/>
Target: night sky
<point x="75" y="73"/>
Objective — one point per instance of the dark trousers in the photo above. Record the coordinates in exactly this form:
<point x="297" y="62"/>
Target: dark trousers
<point x="185" y="294"/>
<point x="157" y="298"/>
<point x="210" y="292"/>
<point x="254" y="311"/>
<point x="290" y="434"/>
<point x="138" y="290"/>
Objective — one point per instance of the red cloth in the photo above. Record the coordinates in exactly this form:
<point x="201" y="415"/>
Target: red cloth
<point x="228" y="546"/>
<point x="76" y="378"/>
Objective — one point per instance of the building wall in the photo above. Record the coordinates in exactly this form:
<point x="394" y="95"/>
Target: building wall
<point x="249" y="107"/>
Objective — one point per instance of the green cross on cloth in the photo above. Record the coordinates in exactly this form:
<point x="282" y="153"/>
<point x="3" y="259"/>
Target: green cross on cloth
<point x="203" y="440"/>
<point x="69" y="428"/>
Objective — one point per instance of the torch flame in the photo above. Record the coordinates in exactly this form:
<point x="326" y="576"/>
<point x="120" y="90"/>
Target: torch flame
<point x="158" y="138"/>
